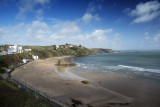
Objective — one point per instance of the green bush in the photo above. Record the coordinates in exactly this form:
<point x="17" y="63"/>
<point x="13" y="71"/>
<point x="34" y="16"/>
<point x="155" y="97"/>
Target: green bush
<point x="2" y="70"/>
<point x="8" y="60"/>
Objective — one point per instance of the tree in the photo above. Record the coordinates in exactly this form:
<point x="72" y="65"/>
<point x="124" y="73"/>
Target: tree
<point x="54" y="47"/>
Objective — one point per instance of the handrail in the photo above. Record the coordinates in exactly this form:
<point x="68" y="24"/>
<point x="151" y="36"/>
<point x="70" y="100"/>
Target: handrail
<point x="41" y="93"/>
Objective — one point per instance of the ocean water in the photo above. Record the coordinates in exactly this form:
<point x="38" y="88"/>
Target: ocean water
<point x="131" y="64"/>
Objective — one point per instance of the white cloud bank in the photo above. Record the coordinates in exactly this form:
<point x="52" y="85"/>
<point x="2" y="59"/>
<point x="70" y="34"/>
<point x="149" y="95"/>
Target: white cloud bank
<point x="88" y="17"/>
<point x="145" y="12"/>
<point x="91" y="13"/>
<point x="41" y="33"/>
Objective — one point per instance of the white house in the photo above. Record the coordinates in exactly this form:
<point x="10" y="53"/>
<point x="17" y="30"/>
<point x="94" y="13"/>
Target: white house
<point x="57" y="46"/>
<point x="68" y="45"/>
<point x="19" y="49"/>
<point x="12" y="49"/>
<point x="15" y="49"/>
<point x="35" y="57"/>
<point x="27" y="50"/>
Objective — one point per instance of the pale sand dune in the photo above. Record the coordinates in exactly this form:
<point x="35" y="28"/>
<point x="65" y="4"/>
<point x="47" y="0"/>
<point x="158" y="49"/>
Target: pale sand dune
<point x="63" y="86"/>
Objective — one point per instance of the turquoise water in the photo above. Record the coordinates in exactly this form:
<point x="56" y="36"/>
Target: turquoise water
<point x="133" y="64"/>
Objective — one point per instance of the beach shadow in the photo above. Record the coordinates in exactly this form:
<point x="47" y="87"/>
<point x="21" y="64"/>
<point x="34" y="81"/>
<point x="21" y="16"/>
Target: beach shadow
<point x="118" y="104"/>
<point x="75" y="102"/>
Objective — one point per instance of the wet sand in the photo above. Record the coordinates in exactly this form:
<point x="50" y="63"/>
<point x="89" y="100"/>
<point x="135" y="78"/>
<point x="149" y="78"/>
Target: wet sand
<point x="146" y="93"/>
<point x="103" y="90"/>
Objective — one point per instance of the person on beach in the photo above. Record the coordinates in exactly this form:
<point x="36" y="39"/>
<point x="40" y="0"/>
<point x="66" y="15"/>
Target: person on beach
<point x="99" y="82"/>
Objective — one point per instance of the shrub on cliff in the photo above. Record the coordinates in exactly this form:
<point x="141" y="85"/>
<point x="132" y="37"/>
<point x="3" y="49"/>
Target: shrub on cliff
<point x="2" y="70"/>
<point x="8" y="60"/>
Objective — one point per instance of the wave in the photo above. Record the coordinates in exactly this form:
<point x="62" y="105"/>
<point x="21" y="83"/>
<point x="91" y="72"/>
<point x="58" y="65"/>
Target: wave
<point x="139" y="69"/>
<point x="102" y="68"/>
<point x="85" y="67"/>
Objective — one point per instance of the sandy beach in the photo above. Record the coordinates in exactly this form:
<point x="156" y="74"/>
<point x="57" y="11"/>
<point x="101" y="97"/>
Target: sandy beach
<point x="103" y="90"/>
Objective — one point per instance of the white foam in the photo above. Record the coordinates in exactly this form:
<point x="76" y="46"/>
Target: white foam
<point x="139" y="68"/>
<point x="85" y="67"/>
<point x="112" y="67"/>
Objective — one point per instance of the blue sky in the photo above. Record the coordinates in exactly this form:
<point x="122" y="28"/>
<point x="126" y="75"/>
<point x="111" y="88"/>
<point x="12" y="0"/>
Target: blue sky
<point x="115" y="24"/>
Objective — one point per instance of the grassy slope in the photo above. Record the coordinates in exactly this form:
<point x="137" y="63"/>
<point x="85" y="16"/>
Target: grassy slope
<point x="11" y="96"/>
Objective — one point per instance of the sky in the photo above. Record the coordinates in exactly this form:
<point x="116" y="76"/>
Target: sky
<point x="114" y="24"/>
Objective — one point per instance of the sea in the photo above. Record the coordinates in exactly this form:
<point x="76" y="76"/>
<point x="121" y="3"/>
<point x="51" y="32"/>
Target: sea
<point x="131" y="64"/>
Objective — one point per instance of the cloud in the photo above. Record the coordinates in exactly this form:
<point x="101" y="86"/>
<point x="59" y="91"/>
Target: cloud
<point x="94" y="6"/>
<point x="39" y="14"/>
<point x="147" y="37"/>
<point x="69" y="32"/>
<point x="63" y="31"/>
<point x="12" y="34"/>
<point x="88" y="17"/>
<point x="36" y="6"/>
<point x="54" y="20"/>
<point x="156" y="38"/>
<point x="151" y="41"/>
<point x="91" y="12"/>
<point x="37" y="31"/>
<point x="2" y="32"/>
<point x="41" y="33"/>
<point x="99" y="38"/>
<point x="145" y="12"/>
<point x="66" y="28"/>
<point x="100" y="32"/>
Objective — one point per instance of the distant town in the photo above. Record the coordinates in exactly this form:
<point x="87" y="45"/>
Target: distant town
<point x="14" y="49"/>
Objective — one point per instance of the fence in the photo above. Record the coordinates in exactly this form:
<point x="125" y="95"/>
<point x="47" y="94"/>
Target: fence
<point x="40" y="93"/>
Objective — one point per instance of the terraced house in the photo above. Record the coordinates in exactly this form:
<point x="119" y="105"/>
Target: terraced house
<point x="14" y="49"/>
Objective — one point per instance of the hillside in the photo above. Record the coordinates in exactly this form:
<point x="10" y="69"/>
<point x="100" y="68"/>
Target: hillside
<point x="101" y="50"/>
<point x="50" y="51"/>
<point x="47" y="52"/>
<point x="12" y="96"/>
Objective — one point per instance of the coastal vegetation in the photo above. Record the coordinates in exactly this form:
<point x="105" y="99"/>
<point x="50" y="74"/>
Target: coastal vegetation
<point x="12" y="96"/>
<point x="9" y="61"/>
<point x="50" y="51"/>
<point x="43" y="52"/>
<point x="2" y="70"/>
